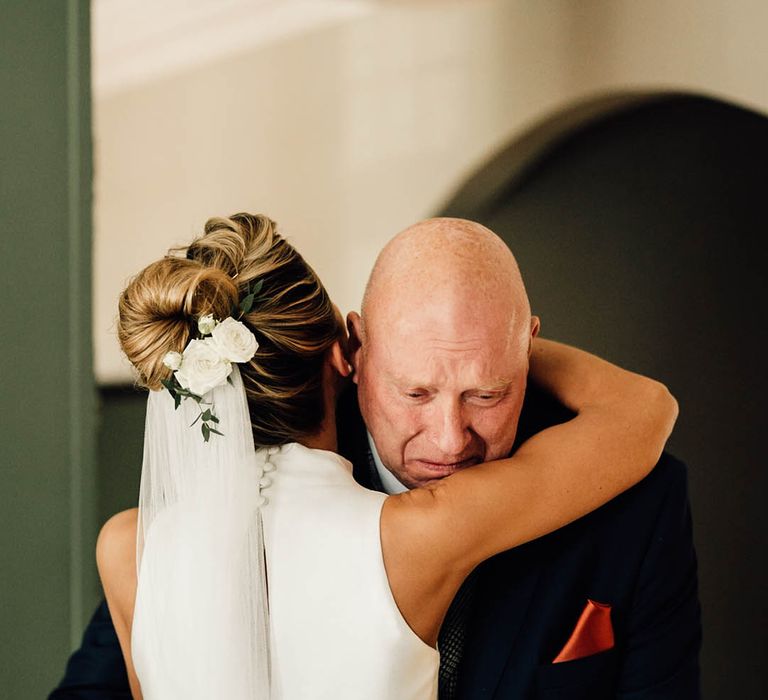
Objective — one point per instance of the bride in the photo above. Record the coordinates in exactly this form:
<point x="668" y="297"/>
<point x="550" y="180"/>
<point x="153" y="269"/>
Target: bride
<point x="255" y="565"/>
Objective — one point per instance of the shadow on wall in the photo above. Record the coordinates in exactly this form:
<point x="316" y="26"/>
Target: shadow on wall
<point x="636" y="221"/>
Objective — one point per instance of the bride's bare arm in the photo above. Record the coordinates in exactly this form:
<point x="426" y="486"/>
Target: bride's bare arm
<point x="116" y="561"/>
<point x="560" y="474"/>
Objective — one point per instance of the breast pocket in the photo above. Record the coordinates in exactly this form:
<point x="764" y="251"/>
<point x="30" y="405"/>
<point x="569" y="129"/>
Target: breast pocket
<point x="592" y="678"/>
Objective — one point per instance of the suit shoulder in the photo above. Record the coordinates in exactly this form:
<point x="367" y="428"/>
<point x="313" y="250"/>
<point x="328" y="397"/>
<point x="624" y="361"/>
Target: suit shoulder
<point x="670" y="475"/>
<point x="664" y="490"/>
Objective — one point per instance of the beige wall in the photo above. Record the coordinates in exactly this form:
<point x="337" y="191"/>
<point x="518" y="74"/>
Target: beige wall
<point x="349" y="131"/>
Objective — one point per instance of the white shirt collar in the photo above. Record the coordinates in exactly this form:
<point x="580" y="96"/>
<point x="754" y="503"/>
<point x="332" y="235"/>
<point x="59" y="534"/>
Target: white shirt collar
<point x="389" y="481"/>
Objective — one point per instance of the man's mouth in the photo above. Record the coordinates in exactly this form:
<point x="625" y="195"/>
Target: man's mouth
<point x="441" y="469"/>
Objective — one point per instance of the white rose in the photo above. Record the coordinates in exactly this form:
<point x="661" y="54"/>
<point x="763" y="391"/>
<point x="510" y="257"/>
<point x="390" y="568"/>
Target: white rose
<point x="172" y="360"/>
<point x="202" y="367"/>
<point x="206" y="324"/>
<point x="234" y="341"/>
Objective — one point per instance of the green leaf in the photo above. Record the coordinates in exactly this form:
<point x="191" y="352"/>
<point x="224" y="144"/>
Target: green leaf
<point x="213" y="418"/>
<point x="169" y="384"/>
<point x="206" y="431"/>
<point x="247" y="303"/>
<point x="176" y="401"/>
<point x="206" y="415"/>
<point x="196" y="419"/>
<point x="213" y="430"/>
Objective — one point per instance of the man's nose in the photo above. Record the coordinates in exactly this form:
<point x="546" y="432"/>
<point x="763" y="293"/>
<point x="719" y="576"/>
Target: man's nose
<point x="450" y="432"/>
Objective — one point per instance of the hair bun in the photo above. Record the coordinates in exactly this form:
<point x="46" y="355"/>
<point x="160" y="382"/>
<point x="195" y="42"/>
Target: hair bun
<point x="234" y="244"/>
<point x="159" y="309"/>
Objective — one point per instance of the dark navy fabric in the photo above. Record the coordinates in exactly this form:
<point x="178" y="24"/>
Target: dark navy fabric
<point x="96" y="671"/>
<point x="635" y="553"/>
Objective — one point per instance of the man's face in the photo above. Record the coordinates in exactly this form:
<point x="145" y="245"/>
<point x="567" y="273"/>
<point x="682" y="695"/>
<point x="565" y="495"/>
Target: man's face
<point x="439" y="395"/>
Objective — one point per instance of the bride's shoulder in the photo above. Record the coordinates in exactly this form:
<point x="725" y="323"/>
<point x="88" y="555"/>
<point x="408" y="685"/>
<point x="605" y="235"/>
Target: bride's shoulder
<point x="117" y="537"/>
<point x="116" y="558"/>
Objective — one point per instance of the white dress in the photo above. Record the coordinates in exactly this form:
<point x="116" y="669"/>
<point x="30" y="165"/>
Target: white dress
<point x="336" y="631"/>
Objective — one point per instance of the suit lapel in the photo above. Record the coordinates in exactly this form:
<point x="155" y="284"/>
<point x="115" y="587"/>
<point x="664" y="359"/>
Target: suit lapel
<point x="505" y="589"/>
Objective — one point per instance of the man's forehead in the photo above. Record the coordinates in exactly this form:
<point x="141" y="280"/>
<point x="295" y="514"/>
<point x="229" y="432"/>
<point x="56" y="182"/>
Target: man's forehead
<point x="423" y="358"/>
<point x="432" y="327"/>
<point x="436" y="308"/>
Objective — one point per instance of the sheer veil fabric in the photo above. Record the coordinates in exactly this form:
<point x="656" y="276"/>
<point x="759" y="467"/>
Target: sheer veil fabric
<point x="204" y="617"/>
<point x="202" y="625"/>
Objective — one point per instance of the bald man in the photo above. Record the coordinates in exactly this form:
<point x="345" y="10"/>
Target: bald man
<point x="441" y="350"/>
<point x="606" y="607"/>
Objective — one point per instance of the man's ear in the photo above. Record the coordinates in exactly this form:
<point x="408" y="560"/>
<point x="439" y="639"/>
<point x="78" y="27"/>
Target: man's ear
<point x="535" y="328"/>
<point x="355" y="342"/>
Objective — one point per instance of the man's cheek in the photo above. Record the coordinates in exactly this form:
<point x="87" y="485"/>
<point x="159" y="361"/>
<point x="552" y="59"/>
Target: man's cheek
<point x="498" y="441"/>
<point x="401" y="418"/>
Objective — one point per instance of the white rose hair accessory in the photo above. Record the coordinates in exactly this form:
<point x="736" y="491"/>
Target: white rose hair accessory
<point x="203" y="367"/>
<point x="172" y="360"/>
<point x="234" y="341"/>
<point x="206" y="324"/>
<point x="206" y="362"/>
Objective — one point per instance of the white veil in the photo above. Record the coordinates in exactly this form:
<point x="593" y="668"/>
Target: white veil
<point x="202" y="611"/>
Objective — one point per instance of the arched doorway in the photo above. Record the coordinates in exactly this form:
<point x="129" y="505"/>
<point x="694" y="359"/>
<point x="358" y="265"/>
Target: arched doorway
<point x="637" y="222"/>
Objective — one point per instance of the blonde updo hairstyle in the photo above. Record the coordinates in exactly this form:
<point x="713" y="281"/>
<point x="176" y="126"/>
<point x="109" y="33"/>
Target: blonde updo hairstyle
<point x="292" y="317"/>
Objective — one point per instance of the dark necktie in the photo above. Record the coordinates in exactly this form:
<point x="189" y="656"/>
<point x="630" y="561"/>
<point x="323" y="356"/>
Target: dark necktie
<point x="452" y="636"/>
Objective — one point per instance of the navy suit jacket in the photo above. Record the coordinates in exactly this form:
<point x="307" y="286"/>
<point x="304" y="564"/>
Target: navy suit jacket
<point x="635" y="553"/>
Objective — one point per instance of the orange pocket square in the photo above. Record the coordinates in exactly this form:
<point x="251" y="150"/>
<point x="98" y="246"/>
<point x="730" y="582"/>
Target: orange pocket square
<point x="593" y="633"/>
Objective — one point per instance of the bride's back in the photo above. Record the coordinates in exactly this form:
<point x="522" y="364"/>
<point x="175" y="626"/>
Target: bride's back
<point x="335" y="622"/>
<point x="336" y="631"/>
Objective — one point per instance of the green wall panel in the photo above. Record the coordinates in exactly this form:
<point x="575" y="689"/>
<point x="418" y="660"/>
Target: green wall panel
<point x="120" y="447"/>
<point x="47" y="502"/>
